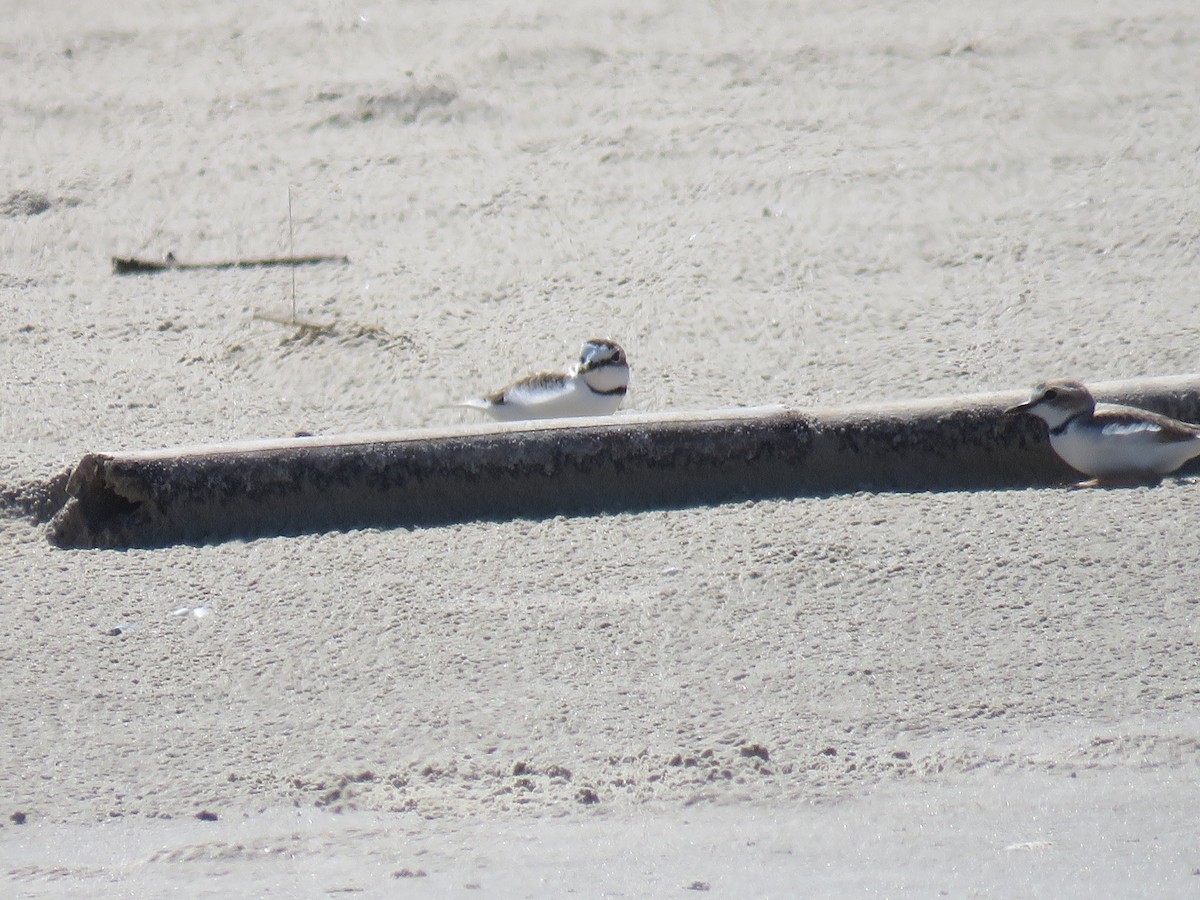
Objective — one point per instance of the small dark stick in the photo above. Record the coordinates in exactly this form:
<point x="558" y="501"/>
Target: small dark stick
<point x="135" y="266"/>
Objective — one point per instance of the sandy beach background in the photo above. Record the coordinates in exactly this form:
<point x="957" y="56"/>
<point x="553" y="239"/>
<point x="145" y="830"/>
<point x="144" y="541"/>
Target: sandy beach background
<point x="982" y="694"/>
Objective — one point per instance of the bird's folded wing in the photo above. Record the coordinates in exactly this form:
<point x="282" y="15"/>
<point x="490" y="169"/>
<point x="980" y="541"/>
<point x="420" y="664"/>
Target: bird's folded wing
<point x="534" y="388"/>
<point x="1153" y="426"/>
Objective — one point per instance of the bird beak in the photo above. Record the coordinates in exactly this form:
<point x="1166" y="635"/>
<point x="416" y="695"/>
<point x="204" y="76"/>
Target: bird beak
<point x="1020" y="408"/>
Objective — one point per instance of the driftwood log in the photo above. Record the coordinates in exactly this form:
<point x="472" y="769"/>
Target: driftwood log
<point x="569" y="466"/>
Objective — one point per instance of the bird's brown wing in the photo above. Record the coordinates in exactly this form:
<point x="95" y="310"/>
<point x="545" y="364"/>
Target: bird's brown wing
<point x="530" y="384"/>
<point x="1163" y="429"/>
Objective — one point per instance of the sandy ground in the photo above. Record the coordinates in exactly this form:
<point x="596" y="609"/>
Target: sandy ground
<point x="986" y="694"/>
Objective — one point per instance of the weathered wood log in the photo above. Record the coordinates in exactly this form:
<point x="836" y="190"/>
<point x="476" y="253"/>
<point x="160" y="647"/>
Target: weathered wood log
<point x="581" y="466"/>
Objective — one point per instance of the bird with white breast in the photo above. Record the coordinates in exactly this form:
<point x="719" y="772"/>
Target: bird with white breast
<point x="596" y="386"/>
<point x="1113" y="444"/>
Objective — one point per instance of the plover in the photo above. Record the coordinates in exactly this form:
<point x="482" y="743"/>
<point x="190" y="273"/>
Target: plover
<point x="594" y="387"/>
<point x="1114" y="444"/>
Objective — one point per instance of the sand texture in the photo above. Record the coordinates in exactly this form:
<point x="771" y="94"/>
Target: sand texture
<point x="989" y="693"/>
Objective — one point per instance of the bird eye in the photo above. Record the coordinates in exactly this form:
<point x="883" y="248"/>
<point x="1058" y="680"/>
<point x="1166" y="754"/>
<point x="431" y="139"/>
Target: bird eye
<point x="1050" y="394"/>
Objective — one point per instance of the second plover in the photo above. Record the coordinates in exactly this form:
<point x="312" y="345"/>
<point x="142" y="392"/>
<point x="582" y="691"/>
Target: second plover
<point x="1114" y="444"/>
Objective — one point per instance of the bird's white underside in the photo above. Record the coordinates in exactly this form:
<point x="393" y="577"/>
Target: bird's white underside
<point x="1121" y="449"/>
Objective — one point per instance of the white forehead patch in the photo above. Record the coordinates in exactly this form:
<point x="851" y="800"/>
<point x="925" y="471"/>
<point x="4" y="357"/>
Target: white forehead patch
<point x="595" y="352"/>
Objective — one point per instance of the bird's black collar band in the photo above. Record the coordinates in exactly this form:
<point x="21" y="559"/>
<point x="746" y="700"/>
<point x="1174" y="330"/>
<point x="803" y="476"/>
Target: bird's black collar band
<point x="1062" y="427"/>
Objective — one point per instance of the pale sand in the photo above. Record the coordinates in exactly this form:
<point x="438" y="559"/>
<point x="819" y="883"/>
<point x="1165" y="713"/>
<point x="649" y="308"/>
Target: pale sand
<point x="989" y="694"/>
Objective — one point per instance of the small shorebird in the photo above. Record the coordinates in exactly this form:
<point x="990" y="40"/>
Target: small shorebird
<point x="594" y="387"/>
<point x="1114" y="444"/>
